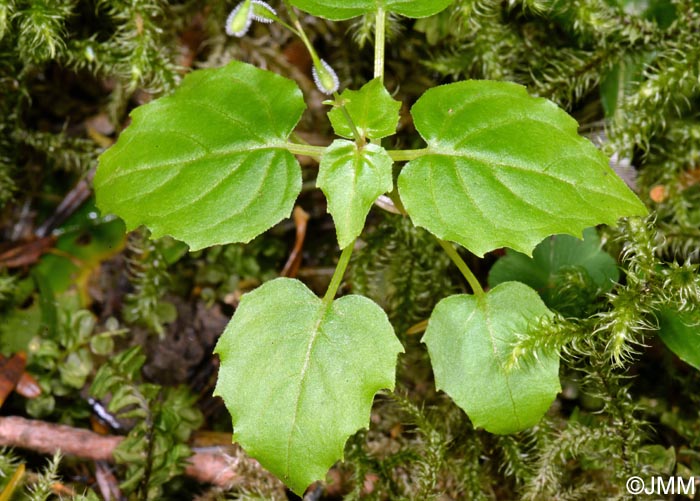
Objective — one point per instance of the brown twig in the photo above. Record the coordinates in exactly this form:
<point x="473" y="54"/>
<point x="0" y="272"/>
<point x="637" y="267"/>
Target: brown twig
<point x="222" y="468"/>
<point x="25" y="253"/>
<point x="291" y="268"/>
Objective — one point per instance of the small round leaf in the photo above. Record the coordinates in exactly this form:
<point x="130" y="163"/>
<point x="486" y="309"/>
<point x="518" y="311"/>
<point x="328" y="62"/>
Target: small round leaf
<point x="352" y="179"/>
<point x="469" y="338"/>
<point x="372" y="109"/>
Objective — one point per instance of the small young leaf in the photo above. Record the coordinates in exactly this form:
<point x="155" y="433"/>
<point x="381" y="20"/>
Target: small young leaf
<point x="372" y="109"/>
<point x="469" y="338"/>
<point x="298" y="376"/>
<point x="550" y="262"/>
<point x="206" y="164"/>
<point x="338" y="10"/>
<point x="504" y="169"/>
<point x="352" y="179"/>
<point x="680" y="333"/>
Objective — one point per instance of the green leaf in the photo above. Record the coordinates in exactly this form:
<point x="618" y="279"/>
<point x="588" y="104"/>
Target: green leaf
<point x="207" y="164"/>
<point x="469" y="340"/>
<point x="298" y="376"/>
<point x="76" y="368"/>
<point x="102" y="344"/>
<point x="680" y="333"/>
<point x="372" y="109"/>
<point x="504" y="169"/>
<point x="554" y="263"/>
<point x="81" y="252"/>
<point x="339" y="10"/>
<point x="352" y="179"/>
<point x="122" y="397"/>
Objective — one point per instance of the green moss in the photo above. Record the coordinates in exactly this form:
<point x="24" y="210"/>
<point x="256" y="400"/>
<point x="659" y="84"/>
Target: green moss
<point x="65" y="61"/>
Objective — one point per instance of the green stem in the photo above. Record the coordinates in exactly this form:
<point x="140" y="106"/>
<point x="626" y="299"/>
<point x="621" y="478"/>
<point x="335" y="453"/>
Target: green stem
<point x="302" y="34"/>
<point x="317" y="63"/>
<point x="462" y="266"/>
<point x="379" y="43"/>
<point x="338" y="273"/>
<point x="305" y="149"/>
<point x="280" y="21"/>
<point x="379" y="49"/>
<point x="298" y="139"/>
<point x="394" y="196"/>
<point x="316" y="151"/>
<point x="407" y="155"/>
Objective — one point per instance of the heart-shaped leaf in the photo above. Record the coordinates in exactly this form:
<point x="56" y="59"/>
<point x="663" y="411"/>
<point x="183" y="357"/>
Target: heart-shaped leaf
<point x="469" y="340"/>
<point x="298" y="376"/>
<point x="338" y="10"/>
<point x="504" y="169"/>
<point x="352" y="179"/>
<point x="207" y="164"/>
<point x="372" y="109"/>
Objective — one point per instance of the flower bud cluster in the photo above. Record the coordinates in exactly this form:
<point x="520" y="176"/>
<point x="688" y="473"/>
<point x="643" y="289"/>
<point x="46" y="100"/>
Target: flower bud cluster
<point x="241" y="18"/>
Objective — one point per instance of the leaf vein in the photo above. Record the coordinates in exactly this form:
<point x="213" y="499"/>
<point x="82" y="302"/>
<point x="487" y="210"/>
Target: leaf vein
<point x="240" y="210"/>
<point x="489" y="328"/>
<point x="302" y="376"/>
<point x="145" y="166"/>
<point x="247" y="127"/>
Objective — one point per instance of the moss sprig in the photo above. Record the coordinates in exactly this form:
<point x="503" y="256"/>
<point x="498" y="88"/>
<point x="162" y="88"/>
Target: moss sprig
<point x="148" y="273"/>
<point x="668" y="80"/>
<point x="403" y="269"/>
<point x="42" y="25"/>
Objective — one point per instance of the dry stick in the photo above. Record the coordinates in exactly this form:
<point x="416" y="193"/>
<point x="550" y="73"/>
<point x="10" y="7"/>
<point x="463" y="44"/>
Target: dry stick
<point x="214" y="468"/>
<point x="291" y="267"/>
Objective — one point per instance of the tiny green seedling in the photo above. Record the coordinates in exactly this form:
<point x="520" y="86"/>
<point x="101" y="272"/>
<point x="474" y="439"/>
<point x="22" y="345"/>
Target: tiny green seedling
<point x="213" y="163"/>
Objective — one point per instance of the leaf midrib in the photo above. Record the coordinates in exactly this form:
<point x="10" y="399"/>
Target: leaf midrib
<point x="144" y="166"/>
<point x="525" y="168"/>
<point x="484" y="301"/>
<point x="322" y="312"/>
<point x="487" y="126"/>
<point x="243" y="207"/>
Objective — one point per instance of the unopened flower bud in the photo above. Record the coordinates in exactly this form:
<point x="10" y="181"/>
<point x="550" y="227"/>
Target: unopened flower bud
<point x="262" y="12"/>
<point x="325" y="77"/>
<point x="239" y="20"/>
